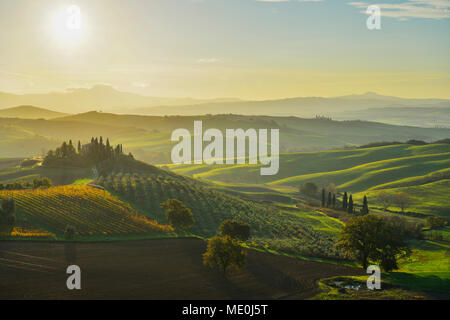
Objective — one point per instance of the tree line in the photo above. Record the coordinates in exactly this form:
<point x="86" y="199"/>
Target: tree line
<point x="84" y="155"/>
<point x="43" y="182"/>
<point x="369" y="238"/>
<point x="329" y="198"/>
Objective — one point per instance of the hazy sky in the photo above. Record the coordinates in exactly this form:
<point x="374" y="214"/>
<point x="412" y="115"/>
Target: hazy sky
<point x="227" y="48"/>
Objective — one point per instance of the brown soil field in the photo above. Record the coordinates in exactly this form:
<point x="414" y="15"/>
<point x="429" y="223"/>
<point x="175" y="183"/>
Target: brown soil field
<point x="152" y="269"/>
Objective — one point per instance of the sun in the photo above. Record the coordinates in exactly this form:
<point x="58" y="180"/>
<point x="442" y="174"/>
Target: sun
<point x="68" y="27"/>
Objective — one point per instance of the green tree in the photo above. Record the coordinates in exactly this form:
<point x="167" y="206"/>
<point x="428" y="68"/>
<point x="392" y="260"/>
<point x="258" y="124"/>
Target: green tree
<point x="334" y="201"/>
<point x="345" y="201"/>
<point x="309" y="189"/>
<point x="179" y="216"/>
<point x="365" y="207"/>
<point x="70" y="232"/>
<point x="323" y="197"/>
<point x="370" y="239"/>
<point x="385" y="199"/>
<point x="224" y="252"/>
<point x="329" y="200"/>
<point x="350" y="204"/>
<point x="235" y="229"/>
<point x="402" y="200"/>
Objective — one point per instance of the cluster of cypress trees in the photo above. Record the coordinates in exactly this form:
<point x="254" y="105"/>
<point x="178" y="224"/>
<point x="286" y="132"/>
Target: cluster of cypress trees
<point x="330" y="201"/>
<point x="94" y="152"/>
<point x="347" y="202"/>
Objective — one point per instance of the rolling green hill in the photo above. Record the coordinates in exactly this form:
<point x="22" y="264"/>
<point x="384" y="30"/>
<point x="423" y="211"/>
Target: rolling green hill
<point x="283" y="228"/>
<point x="430" y="198"/>
<point x="422" y="171"/>
<point x="352" y="169"/>
<point x="275" y="222"/>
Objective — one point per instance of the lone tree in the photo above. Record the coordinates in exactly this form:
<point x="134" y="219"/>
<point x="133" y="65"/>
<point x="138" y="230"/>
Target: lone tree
<point x="224" y="252"/>
<point x="179" y="216"/>
<point x="385" y="199"/>
<point x="370" y="239"/>
<point x="235" y="229"/>
<point x="350" y="204"/>
<point x="365" y="207"/>
<point x="402" y="200"/>
<point x="309" y="189"/>
<point x="345" y="201"/>
<point x="70" y="232"/>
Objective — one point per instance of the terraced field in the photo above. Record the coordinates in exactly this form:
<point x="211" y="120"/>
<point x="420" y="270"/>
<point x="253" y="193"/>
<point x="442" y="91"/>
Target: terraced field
<point x="283" y="228"/>
<point x="91" y="211"/>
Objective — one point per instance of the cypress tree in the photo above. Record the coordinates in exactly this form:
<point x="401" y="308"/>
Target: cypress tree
<point x="344" y="201"/>
<point x="323" y="197"/>
<point x="350" y="204"/>
<point x="329" y="200"/>
<point x="365" y="208"/>
<point x="334" y="201"/>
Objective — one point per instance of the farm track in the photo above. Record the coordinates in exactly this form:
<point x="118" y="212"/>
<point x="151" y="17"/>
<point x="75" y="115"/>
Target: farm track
<point x="154" y="269"/>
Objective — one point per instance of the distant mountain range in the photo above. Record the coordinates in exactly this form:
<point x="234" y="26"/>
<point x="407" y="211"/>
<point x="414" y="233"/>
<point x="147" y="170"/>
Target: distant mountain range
<point x="301" y="107"/>
<point x="99" y="97"/>
<point x="436" y="117"/>
<point x="369" y="106"/>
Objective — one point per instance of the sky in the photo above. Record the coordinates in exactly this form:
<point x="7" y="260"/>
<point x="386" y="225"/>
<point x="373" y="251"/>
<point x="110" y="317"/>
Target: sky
<point x="249" y="49"/>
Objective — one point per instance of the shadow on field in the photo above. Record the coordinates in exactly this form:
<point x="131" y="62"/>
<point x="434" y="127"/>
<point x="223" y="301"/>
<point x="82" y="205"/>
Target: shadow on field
<point x="152" y="269"/>
<point x="428" y="283"/>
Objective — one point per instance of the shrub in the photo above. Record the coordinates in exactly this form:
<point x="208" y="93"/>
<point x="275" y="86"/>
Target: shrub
<point x="70" y="232"/>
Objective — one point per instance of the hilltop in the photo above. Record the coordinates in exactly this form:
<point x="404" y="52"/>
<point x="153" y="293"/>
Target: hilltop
<point x="356" y="169"/>
<point x="297" y="106"/>
<point x="108" y="99"/>
<point x="97" y="97"/>
<point x="30" y="112"/>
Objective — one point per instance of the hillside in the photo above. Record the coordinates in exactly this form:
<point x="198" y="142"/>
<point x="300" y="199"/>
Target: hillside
<point x="29" y="112"/>
<point x="148" y="138"/>
<point x="283" y="228"/>
<point x="90" y="211"/>
<point x="145" y="187"/>
<point x="353" y="169"/>
<point x="430" y="198"/>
